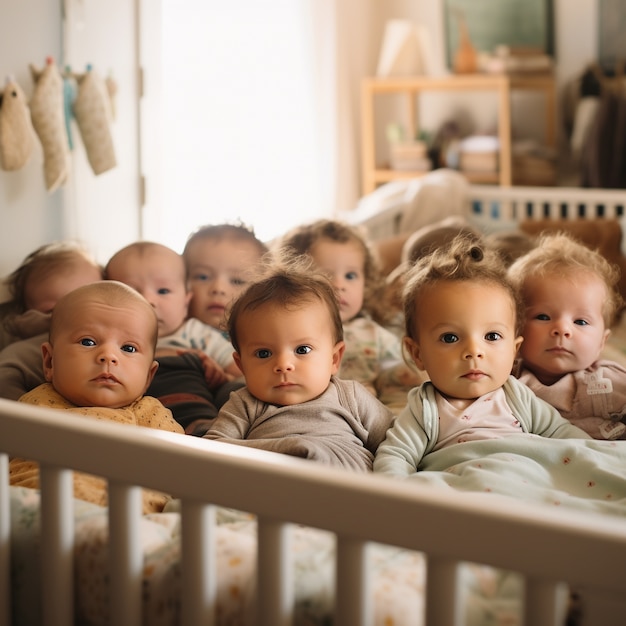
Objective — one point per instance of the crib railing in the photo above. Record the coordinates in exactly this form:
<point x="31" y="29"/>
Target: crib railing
<point x="548" y="546"/>
<point x="514" y="204"/>
<point x="494" y="208"/>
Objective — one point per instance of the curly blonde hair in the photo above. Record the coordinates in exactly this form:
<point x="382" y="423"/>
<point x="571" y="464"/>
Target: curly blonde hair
<point x="464" y="260"/>
<point x="561" y="255"/>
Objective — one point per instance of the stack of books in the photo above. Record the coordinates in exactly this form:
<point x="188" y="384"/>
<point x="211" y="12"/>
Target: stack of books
<point x="478" y="154"/>
<point x="410" y="156"/>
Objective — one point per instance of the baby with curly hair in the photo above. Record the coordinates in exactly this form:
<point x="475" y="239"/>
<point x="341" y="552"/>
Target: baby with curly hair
<point x="462" y="328"/>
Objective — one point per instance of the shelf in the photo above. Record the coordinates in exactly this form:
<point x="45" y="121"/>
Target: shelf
<point x="410" y="87"/>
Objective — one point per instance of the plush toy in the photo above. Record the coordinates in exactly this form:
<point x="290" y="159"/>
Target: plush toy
<point x="92" y="113"/>
<point x="46" y="111"/>
<point x="17" y="136"/>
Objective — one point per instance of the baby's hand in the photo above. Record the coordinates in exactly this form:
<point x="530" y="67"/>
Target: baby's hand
<point x="214" y="374"/>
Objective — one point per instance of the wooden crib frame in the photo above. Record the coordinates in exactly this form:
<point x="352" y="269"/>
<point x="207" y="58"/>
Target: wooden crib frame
<point x="548" y="546"/>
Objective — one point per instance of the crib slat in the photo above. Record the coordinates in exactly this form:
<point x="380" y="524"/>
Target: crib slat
<point x="275" y="597"/>
<point x="125" y="554"/>
<point x="199" y="593"/>
<point x="5" y="542"/>
<point x="443" y="605"/>
<point x="544" y="603"/>
<point x="57" y="546"/>
<point x="353" y="597"/>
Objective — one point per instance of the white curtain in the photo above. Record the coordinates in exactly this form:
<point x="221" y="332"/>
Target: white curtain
<point x="260" y="112"/>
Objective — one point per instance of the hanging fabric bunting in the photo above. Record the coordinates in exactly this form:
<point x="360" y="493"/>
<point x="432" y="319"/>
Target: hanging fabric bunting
<point x="17" y="136"/>
<point x="92" y="113"/>
<point x="46" y="110"/>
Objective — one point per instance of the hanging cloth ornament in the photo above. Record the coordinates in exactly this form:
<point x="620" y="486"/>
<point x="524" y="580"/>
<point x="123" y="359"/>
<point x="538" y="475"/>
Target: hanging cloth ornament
<point x="92" y="113"/>
<point x="17" y="136"/>
<point x="46" y="111"/>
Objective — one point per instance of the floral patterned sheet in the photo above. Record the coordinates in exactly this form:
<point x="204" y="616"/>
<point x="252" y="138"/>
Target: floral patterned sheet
<point x="398" y="575"/>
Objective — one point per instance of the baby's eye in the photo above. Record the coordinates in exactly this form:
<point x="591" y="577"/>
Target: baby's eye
<point x="200" y="277"/>
<point x="542" y="316"/>
<point x="303" y="349"/>
<point x="493" y="336"/>
<point x="581" y="322"/>
<point x="449" y="338"/>
<point x="352" y="275"/>
<point x="237" y="282"/>
<point x="86" y="341"/>
<point x="263" y="353"/>
<point x="128" y="348"/>
<point x="163" y="291"/>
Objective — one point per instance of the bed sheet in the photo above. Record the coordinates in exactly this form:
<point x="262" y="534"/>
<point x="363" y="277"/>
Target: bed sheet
<point x="492" y="597"/>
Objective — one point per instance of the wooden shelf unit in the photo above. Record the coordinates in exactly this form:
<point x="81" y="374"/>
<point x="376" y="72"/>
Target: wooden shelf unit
<point x="410" y="87"/>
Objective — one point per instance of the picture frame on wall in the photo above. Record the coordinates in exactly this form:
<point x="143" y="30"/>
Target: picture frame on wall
<point x="522" y="26"/>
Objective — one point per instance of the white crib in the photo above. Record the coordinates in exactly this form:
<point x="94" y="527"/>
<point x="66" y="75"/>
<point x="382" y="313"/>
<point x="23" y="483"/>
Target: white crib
<point x="549" y="547"/>
<point x="492" y="207"/>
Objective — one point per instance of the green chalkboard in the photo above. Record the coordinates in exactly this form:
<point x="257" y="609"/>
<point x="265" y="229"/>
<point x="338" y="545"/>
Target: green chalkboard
<point x="515" y="23"/>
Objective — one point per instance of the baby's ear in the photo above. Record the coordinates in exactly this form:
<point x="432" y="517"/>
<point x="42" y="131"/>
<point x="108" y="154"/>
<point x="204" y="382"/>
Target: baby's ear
<point x="412" y="348"/>
<point x="153" y="368"/>
<point x="338" y="351"/>
<point x="46" y="353"/>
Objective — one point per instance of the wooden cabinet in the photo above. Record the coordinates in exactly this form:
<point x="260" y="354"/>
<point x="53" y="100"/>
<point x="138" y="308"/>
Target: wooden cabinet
<point x="410" y="88"/>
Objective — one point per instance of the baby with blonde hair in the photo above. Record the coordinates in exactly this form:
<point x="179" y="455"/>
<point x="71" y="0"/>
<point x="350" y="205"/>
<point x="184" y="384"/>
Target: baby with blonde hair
<point x="571" y="301"/>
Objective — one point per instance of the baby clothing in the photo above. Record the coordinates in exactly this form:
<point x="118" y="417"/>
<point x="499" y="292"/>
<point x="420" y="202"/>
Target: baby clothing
<point x="417" y="430"/>
<point x="488" y="417"/>
<point x="196" y="334"/>
<point x="145" y="411"/>
<point x="341" y="427"/>
<point x="593" y="399"/>
<point x="373" y="357"/>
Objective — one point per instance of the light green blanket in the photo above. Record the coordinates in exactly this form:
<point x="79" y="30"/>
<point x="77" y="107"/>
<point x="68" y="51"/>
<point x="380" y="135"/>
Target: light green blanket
<point x="584" y="474"/>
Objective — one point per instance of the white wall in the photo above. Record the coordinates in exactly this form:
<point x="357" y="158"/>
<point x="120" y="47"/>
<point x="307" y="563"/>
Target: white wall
<point x="102" y="211"/>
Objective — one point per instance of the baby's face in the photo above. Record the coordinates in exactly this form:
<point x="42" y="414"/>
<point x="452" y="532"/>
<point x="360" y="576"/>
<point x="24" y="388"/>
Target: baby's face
<point x="218" y="270"/>
<point x="287" y="355"/>
<point x="102" y="355"/>
<point x="158" y="274"/>
<point x="466" y="338"/>
<point x="344" y="263"/>
<point x="564" y="329"/>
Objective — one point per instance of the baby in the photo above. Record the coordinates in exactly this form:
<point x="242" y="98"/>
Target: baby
<point x="288" y="338"/>
<point x="462" y="328"/>
<point x="98" y="362"/>
<point x="219" y="259"/>
<point x="44" y="276"/>
<point x="571" y="300"/>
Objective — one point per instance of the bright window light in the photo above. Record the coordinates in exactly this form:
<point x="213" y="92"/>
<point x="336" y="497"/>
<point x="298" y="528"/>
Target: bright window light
<point x="239" y="117"/>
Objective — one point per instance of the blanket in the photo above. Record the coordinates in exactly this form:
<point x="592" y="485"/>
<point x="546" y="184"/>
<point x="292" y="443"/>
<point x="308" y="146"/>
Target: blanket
<point x="583" y="474"/>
